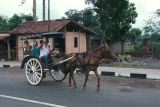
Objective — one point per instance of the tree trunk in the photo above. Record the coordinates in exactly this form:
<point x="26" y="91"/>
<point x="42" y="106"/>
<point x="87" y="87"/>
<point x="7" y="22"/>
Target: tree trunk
<point x="122" y="46"/>
<point x="34" y="10"/>
<point x="48" y="15"/>
<point x="44" y="10"/>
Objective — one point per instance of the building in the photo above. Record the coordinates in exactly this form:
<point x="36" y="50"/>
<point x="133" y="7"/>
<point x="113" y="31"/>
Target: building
<point x="76" y="38"/>
<point x="5" y="49"/>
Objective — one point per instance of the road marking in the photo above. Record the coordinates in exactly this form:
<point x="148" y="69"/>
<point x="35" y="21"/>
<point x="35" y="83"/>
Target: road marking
<point x="31" y="101"/>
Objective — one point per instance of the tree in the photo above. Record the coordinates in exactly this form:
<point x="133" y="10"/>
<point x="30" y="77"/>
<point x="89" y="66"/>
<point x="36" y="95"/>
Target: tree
<point x="133" y="34"/>
<point x="14" y="21"/>
<point x="152" y="28"/>
<point x="75" y="15"/>
<point x="26" y="18"/>
<point x="87" y="18"/>
<point x="3" y="23"/>
<point x="7" y="24"/>
<point x="152" y="33"/>
<point x="116" y="17"/>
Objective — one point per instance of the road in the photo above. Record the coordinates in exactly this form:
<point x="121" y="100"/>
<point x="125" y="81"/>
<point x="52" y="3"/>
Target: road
<point x="115" y="92"/>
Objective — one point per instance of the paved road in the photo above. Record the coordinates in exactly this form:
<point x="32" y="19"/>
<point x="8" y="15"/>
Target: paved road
<point x="115" y="92"/>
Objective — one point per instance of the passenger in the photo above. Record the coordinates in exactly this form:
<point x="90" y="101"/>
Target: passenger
<point x="44" y="51"/>
<point x="27" y="48"/>
<point x="26" y="52"/>
<point x="35" y="49"/>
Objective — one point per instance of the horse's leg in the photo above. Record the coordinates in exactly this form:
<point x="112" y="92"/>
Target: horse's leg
<point x="70" y="79"/>
<point x="86" y="78"/>
<point x="74" y="82"/>
<point x="98" y="80"/>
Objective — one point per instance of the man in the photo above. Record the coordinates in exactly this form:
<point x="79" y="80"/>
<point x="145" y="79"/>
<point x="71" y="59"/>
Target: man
<point x="44" y="51"/>
<point x="27" y="48"/>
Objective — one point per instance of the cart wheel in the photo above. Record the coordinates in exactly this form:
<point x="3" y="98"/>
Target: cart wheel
<point x="58" y="75"/>
<point x="33" y="71"/>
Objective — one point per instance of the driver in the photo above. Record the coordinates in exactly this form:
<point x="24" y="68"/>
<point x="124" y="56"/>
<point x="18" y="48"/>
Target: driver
<point x="44" y="51"/>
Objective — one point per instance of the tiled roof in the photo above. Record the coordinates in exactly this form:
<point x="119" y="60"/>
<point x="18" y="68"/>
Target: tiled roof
<point x="42" y="27"/>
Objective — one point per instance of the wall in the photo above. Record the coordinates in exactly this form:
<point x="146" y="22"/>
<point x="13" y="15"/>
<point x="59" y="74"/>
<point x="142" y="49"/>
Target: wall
<point x="69" y="42"/>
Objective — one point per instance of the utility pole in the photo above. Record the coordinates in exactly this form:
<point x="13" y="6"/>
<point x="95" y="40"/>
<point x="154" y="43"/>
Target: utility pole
<point x="48" y="15"/>
<point x="34" y="10"/>
<point x="44" y="8"/>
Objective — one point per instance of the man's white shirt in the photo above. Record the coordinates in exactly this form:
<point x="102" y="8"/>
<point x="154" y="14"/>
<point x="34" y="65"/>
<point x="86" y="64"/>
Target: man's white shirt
<point x="44" y="51"/>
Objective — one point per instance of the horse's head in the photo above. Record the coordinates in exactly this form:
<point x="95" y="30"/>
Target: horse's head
<point x="106" y="51"/>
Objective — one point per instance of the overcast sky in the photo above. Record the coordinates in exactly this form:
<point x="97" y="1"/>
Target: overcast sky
<point x="58" y="7"/>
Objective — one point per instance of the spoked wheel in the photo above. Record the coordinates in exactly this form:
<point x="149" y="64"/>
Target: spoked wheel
<point x="57" y="74"/>
<point x="33" y="71"/>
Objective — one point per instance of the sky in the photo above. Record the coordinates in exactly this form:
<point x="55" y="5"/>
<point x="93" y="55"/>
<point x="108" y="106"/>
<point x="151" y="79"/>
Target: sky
<point x="58" y="7"/>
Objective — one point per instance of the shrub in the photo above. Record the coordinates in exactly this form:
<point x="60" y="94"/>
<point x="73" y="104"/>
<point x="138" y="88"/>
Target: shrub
<point x="122" y="58"/>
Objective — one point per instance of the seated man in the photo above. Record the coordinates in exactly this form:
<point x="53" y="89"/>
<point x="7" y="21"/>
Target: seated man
<point x="27" y="48"/>
<point x="44" y="51"/>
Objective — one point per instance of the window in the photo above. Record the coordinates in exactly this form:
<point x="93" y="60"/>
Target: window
<point x="75" y="42"/>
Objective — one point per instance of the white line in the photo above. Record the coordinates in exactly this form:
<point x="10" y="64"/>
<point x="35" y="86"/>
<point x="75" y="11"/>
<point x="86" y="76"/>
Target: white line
<point x="31" y="101"/>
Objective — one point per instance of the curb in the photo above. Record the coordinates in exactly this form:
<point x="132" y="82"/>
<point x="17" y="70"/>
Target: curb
<point x="130" y="72"/>
<point x="9" y="64"/>
<point x="6" y="66"/>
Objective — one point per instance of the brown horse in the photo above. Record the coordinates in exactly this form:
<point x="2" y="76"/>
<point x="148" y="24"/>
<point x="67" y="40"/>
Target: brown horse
<point x="88" y="61"/>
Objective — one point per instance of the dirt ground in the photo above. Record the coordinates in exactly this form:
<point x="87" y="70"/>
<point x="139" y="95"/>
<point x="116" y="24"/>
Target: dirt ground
<point x="139" y="62"/>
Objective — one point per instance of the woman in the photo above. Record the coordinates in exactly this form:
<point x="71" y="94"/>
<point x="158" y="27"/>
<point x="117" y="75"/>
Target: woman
<point x="35" y="50"/>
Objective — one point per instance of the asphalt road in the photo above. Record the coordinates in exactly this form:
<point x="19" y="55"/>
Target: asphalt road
<point x="115" y="92"/>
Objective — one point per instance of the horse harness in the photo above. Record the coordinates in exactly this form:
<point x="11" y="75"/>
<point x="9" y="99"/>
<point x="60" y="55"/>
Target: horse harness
<point x="84" y="63"/>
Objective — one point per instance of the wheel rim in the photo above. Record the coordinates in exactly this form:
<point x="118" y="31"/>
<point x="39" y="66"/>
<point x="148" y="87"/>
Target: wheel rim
<point x="57" y="75"/>
<point x="33" y="71"/>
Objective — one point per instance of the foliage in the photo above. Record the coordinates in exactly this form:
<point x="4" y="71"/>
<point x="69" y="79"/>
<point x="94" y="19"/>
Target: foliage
<point x="23" y="1"/>
<point x="86" y="17"/>
<point x="138" y="47"/>
<point x="3" y="23"/>
<point x="116" y="17"/>
<point x="16" y="20"/>
<point x="129" y="48"/>
<point x="156" y="47"/>
<point x="133" y="34"/>
<point x="122" y="58"/>
<point x="74" y="14"/>
<point x="7" y="24"/>
<point x="152" y="28"/>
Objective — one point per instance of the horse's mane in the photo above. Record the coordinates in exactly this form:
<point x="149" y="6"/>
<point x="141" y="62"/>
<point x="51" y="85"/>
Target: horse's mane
<point x="97" y="49"/>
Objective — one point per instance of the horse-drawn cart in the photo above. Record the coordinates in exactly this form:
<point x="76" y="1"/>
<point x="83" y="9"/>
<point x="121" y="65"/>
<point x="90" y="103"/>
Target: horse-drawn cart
<point x="59" y="67"/>
<point x="34" y="68"/>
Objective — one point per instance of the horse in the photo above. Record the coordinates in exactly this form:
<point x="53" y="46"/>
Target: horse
<point x="88" y="61"/>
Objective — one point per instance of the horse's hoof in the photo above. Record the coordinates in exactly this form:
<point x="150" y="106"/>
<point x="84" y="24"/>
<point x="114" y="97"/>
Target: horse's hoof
<point x="98" y="89"/>
<point x="75" y="86"/>
<point x="84" y="88"/>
